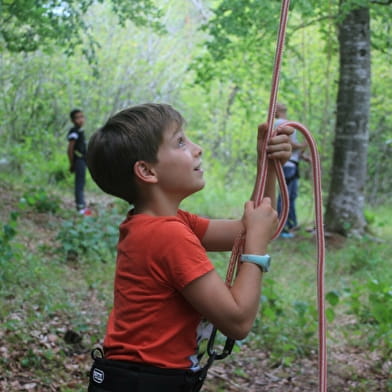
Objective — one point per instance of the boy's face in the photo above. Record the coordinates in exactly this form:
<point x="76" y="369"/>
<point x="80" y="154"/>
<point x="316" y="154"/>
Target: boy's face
<point x="78" y="119"/>
<point x="179" y="164"/>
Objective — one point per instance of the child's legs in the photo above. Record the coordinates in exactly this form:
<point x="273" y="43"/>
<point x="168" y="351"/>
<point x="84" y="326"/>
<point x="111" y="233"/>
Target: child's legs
<point x="80" y="179"/>
<point x="289" y="173"/>
<point x="279" y="204"/>
<point x="293" y="192"/>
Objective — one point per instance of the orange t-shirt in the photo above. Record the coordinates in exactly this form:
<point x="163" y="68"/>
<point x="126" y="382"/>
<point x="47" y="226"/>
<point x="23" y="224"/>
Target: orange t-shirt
<point x="151" y="322"/>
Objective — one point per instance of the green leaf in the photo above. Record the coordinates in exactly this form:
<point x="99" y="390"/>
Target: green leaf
<point x="333" y="297"/>
<point x="330" y="314"/>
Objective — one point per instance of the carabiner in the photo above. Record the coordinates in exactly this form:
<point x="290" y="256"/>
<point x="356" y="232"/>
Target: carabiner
<point x="227" y="349"/>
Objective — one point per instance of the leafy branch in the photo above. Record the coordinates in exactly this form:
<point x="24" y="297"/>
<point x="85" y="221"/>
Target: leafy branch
<point x="29" y="25"/>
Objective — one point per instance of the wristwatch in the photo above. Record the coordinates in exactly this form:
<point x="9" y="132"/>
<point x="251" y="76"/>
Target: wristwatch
<point x="263" y="261"/>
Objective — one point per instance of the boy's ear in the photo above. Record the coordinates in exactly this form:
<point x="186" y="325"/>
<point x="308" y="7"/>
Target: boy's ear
<point x="145" y="172"/>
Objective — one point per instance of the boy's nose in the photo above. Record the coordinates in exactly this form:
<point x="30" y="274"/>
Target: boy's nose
<point x="197" y="150"/>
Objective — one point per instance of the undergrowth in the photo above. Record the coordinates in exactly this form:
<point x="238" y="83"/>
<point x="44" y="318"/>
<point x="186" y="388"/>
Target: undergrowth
<point x="45" y="288"/>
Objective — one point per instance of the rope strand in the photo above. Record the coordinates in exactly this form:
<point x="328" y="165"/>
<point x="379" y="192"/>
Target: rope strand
<point x="259" y="193"/>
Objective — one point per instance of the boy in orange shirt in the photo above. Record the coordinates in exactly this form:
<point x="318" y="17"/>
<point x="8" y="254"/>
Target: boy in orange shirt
<point x="164" y="283"/>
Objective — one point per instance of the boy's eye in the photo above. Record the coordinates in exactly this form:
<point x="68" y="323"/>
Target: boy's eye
<point x="181" y="141"/>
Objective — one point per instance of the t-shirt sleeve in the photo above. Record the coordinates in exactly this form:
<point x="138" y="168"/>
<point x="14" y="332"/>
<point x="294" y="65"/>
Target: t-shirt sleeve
<point x="278" y="122"/>
<point x="196" y="223"/>
<point x="184" y="258"/>
<point x="73" y="136"/>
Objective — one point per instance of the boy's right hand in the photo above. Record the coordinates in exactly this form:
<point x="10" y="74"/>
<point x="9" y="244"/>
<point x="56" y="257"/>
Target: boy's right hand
<point x="260" y="223"/>
<point x="72" y="169"/>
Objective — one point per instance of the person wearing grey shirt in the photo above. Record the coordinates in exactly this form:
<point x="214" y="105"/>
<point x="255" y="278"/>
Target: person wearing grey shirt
<point x="291" y="173"/>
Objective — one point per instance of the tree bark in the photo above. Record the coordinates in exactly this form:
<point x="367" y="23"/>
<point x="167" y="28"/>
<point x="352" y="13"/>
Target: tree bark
<point x="346" y="199"/>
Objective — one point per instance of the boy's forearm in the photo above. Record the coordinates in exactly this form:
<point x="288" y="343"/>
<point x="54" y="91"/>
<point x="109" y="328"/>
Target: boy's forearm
<point x="221" y="234"/>
<point x="246" y="292"/>
<point x="233" y="310"/>
<point x="246" y="289"/>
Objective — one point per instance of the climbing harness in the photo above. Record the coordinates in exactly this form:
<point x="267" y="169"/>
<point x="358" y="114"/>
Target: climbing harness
<point x="258" y="196"/>
<point x="124" y="376"/>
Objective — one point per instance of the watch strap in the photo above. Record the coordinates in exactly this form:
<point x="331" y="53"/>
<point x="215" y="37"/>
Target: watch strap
<point x="263" y="261"/>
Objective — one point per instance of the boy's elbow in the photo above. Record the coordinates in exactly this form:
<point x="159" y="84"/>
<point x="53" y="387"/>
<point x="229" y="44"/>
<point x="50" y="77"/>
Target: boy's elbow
<point x="237" y="325"/>
<point x="238" y="331"/>
<point x="240" y="335"/>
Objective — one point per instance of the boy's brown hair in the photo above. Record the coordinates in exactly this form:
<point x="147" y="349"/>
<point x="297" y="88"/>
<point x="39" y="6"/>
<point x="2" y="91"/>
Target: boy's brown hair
<point x="73" y="113"/>
<point x="132" y="135"/>
<point x="280" y="110"/>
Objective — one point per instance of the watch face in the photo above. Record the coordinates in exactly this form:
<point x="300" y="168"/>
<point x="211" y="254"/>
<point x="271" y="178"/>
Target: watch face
<point x="268" y="263"/>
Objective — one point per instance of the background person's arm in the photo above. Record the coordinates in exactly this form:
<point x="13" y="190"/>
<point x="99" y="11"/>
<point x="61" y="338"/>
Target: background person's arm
<point x="299" y="146"/>
<point x="70" y="152"/>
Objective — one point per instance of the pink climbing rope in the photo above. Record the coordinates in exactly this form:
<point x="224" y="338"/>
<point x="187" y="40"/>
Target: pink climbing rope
<point x="259" y="193"/>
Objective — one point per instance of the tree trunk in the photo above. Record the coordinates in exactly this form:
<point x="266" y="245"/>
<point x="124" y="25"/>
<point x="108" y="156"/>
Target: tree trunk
<point x="346" y="199"/>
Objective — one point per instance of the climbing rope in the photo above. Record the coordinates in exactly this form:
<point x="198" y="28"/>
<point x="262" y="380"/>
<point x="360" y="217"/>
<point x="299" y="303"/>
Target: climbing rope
<point x="258" y="196"/>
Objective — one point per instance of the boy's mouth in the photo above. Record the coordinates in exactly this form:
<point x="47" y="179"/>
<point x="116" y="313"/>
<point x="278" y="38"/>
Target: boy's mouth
<point x="198" y="167"/>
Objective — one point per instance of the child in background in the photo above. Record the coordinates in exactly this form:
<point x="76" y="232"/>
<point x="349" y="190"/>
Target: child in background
<point x="291" y="173"/>
<point x="77" y="158"/>
<point x="164" y="282"/>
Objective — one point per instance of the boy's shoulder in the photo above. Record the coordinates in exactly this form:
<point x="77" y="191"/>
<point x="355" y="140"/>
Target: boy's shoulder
<point x="164" y="229"/>
<point x="73" y="133"/>
<point x="150" y="222"/>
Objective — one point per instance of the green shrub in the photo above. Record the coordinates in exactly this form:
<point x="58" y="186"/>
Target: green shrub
<point x="371" y="302"/>
<point x="287" y="330"/>
<point x="39" y="200"/>
<point x="8" y="249"/>
<point x="6" y="235"/>
<point x="57" y="168"/>
<point x="363" y="254"/>
<point x="90" y="236"/>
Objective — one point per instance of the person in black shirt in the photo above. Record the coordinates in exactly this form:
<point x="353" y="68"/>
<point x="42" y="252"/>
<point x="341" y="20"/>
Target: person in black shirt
<point x="77" y="157"/>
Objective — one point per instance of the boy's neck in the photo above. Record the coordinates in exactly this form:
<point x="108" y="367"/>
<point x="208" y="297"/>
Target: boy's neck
<point x="157" y="203"/>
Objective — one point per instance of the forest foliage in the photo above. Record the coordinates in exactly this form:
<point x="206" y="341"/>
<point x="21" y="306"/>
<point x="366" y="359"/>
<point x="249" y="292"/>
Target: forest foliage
<point x="211" y="60"/>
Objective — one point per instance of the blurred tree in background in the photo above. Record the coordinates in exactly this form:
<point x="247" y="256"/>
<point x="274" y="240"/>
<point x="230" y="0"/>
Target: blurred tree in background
<point x="346" y="198"/>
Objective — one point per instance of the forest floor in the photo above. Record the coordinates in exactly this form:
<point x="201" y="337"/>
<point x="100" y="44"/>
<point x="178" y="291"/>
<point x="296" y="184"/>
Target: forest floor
<point x="45" y="340"/>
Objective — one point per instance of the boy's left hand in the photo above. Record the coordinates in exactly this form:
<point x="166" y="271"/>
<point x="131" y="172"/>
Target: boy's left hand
<point x="279" y="146"/>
